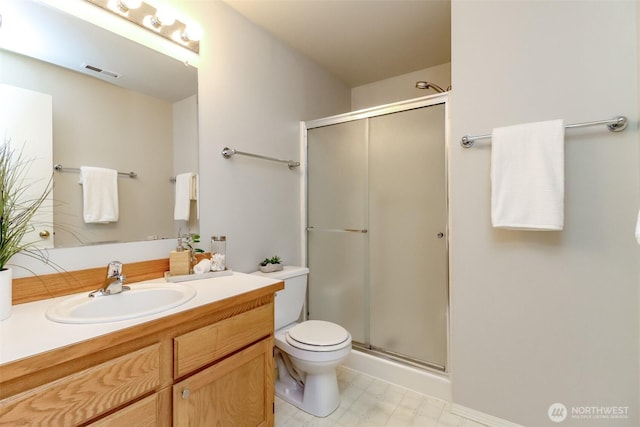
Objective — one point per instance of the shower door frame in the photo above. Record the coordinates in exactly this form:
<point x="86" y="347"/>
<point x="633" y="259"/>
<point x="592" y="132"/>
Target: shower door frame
<point x="426" y="101"/>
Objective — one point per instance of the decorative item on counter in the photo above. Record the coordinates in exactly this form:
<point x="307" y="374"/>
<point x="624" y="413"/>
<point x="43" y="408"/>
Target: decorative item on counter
<point x="188" y="277"/>
<point x="17" y="209"/>
<point x="180" y="260"/>
<point x="217" y="262"/>
<point x="188" y="240"/>
<point x="204" y="266"/>
<point x="200" y="256"/>
<point x="218" y="253"/>
<point x="272" y="264"/>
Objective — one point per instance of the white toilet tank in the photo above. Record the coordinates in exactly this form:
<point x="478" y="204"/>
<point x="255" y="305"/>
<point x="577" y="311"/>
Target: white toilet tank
<point x="290" y="300"/>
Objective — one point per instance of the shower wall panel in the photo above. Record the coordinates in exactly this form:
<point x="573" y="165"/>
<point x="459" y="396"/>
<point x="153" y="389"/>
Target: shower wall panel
<point x="337" y="187"/>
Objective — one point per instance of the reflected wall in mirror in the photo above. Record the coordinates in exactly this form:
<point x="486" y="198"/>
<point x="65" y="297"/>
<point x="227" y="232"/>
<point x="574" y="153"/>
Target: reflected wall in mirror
<point x="144" y="120"/>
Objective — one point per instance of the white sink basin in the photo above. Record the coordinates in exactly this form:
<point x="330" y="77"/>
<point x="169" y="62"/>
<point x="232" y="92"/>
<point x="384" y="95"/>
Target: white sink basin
<point x="141" y="300"/>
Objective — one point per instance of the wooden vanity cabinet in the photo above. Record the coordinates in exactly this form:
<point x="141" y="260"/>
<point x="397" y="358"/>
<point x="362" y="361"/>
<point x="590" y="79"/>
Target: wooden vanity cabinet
<point x="211" y="365"/>
<point x="238" y="391"/>
<point x="81" y="396"/>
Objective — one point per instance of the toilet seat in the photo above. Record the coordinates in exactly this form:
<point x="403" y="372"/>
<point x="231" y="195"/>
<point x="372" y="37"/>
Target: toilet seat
<point x="318" y="335"/>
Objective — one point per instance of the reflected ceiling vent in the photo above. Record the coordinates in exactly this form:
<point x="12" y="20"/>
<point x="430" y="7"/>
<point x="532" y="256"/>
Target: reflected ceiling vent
<point x="101" y="71"/>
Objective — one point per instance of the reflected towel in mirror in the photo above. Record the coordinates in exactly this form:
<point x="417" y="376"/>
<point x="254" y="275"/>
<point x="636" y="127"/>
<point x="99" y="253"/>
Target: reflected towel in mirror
<point x="186" y="190"/>
<point x="99" y="194"/>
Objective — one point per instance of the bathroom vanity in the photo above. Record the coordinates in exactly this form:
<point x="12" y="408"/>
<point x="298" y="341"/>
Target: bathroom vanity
<point x="208" y="362"/>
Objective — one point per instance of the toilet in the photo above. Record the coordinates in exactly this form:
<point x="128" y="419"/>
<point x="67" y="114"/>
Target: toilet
<point x="307" y="353"/>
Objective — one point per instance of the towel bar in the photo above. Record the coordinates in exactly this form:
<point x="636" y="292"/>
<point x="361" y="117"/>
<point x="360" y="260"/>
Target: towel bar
<point x="228" y="152"/>
<point x="616" y="124"/>
<point x="59" y="168"/>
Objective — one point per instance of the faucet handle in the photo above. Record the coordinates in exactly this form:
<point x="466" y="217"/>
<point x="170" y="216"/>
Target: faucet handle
<point x="114" y="269"/>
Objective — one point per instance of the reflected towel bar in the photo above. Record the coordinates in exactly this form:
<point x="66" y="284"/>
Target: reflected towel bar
<point x="59" y="168"/>
<point x="228" y="152"/>
<point x="616" y="124"/>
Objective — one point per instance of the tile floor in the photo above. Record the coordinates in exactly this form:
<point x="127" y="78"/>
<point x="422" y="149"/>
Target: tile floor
<point x="368" y="401"/>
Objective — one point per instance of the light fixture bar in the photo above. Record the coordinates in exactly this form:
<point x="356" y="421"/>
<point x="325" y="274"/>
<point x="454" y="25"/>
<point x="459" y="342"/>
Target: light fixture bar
<point x="149" y="18"/>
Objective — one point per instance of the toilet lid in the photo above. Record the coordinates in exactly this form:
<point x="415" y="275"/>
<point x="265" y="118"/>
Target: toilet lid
<point x="318" y="333"/>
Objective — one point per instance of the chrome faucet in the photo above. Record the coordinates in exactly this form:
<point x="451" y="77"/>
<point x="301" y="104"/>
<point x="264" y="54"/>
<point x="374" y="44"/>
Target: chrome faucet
<point x="114" y="283"/>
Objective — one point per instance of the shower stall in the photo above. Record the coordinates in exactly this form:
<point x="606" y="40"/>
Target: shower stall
<point x="376" y="228"/>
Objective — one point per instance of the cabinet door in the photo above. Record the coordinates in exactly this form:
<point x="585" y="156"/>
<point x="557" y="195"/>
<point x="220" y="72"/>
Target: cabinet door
<point x="237" y="391"/>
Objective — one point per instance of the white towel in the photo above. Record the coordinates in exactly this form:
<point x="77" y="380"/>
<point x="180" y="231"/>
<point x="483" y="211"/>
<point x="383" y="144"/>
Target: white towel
<point x="100" y="194"/>
<point x="204" y="266"/>
<point x="527" y="176"/>
<point x="184" y="186"/>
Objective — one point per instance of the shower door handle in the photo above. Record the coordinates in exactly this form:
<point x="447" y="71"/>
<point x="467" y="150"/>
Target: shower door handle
<point x="339" y="230"/>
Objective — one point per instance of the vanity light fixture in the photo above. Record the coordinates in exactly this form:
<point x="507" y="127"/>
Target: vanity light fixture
<point x="160" y="20"/>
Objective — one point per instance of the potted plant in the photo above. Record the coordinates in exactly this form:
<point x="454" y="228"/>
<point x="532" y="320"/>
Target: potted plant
<point x="272" y="264"/>
<point x="188" y="241"/>
<point x="17" y="210"/>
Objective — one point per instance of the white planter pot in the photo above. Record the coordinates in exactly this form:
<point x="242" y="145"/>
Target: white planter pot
<point x="270" y="268"/>
<point x="6" y="280"/>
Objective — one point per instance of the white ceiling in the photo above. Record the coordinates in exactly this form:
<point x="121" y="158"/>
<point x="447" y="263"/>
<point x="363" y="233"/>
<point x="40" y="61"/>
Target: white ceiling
<point x="359" y="41"/>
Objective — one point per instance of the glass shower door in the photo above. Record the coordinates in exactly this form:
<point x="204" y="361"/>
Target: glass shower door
<point x="377" y="225"/>
<point x="407" y="223"/>
<point x="337" y="218"/>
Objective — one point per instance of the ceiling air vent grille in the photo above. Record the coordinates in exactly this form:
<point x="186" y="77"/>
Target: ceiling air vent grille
<point x="99" y="70"/>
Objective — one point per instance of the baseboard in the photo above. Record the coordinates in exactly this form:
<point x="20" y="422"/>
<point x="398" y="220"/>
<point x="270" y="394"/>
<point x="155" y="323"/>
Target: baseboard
<point x="481" y="417"/>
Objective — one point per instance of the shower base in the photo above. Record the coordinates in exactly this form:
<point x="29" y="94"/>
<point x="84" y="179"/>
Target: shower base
<point x="421" y="380"/>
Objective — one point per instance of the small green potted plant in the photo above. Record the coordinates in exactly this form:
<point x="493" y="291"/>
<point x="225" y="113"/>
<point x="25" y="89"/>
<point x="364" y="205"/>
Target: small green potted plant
<point x="269" y="265"/>
<point x="17" y="211"/>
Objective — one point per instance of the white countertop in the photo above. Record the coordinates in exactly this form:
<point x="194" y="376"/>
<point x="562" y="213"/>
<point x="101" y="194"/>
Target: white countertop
<point x="28" y="332"/>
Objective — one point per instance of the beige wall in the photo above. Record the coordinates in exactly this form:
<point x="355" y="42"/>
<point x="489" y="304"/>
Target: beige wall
<point x="253" y="91"/>
<point x="545" y="317"/>
<point x="98" y="124"/>
<point x="400" y="88"/>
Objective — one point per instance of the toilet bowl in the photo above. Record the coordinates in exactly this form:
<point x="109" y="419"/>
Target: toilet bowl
<point x="308" y="352"/>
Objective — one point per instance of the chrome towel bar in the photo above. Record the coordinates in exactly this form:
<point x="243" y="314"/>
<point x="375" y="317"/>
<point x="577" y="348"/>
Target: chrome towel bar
<point x="616" y="124"/>
<point x="59" y="168"/>
<point x="228" y="152"/>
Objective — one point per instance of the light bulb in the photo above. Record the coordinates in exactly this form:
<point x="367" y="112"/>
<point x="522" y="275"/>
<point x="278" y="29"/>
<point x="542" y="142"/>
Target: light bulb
<point x="164" y="16"/>
<point x="193" y="32"/>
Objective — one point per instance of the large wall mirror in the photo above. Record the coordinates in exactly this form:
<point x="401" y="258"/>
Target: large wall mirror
<point x="115" y="104"/>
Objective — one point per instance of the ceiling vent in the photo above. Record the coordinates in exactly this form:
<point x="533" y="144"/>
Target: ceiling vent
<point x="101" y="71"/>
